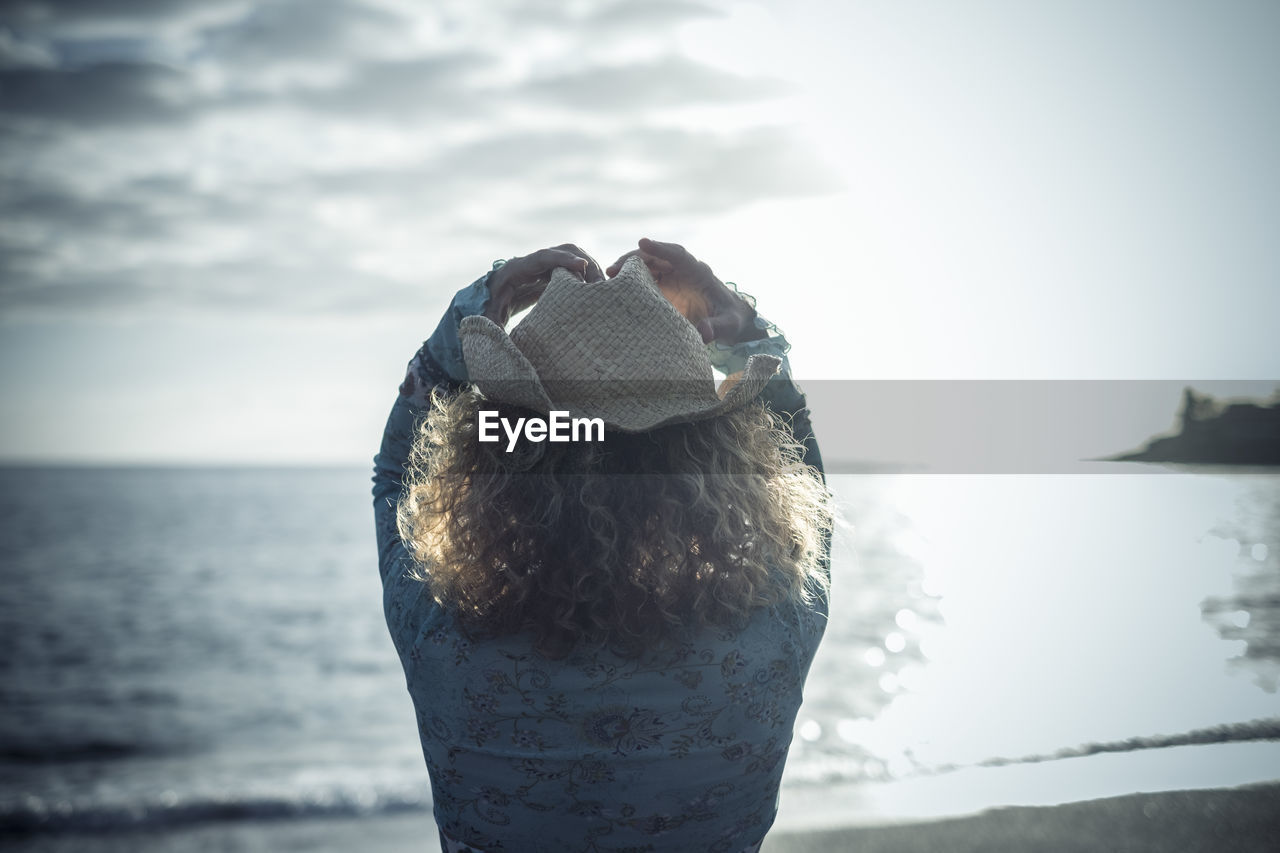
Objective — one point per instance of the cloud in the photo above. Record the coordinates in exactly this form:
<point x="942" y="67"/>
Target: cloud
<point x="628" y="16"/>
<point x="618" y="172"/>
<point x="648" y="13"/>
<point x="111" y="93"/>
<point x="39" y="212"/>
<point x="669" y="81"/>
<point x="105" y="19"/>
<point x="163" y="61"/>
<point x="648" y="171"/>
<point x="261" y="285"/>
<point x="434" y="86"/>
<point x="335" y="57"/>
<point x="367" y="232"/>
<point x="129" y="93"/>
<point x="17" y="52"/>
<point x="749" y="166"/>
<point x="302" y="30"/>
<point x="152" y="208"/>
<point x="341" y="156"/>
<point x="47" y="12"/>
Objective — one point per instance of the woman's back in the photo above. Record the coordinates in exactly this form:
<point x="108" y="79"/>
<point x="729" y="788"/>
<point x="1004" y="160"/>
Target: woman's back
<point x="678" y="750"/>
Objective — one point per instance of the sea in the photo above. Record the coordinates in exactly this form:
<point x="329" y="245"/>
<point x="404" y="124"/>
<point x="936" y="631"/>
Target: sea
<point x="180" y="646"/>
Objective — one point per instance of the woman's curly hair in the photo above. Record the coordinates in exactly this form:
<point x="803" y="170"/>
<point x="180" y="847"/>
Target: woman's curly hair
<point x="627" y="542"/>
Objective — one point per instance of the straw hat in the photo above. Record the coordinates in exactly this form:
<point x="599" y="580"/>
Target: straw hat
<point x="615" y="350"/>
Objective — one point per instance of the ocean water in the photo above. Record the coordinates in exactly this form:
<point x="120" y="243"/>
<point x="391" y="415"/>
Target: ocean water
<point x="181" y="645"/>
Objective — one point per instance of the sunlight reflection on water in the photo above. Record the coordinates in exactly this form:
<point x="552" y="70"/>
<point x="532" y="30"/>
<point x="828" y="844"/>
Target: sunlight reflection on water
<point x="1021" y="615"/>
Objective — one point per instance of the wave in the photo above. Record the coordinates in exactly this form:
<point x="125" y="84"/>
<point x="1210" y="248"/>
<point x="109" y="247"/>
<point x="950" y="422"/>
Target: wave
<point x="34" y="815"/>
<point x="837" y="769"/>
<point x="1266" y="729"/>
<point x="30" y="814"/>
<point x="102" y="749"/>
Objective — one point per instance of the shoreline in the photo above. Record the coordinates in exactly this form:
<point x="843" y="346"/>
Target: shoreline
<point x="976" y="789"/>
<point x="1193" y="797"/>
<point x="1243" y="820"/>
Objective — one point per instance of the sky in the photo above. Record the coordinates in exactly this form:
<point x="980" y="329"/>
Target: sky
<point x="225" y="226"/>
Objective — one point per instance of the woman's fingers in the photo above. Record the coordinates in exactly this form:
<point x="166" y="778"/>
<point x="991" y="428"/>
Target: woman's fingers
<point x="660" y="257"/>
<point x="728" y="317"/>
<point x="616" y="266"/>
<point x="706" y="329"/>
<point x="539" y="264"/>
<point x="657" y="266"/>
<point x="672" y="253"/>
<point x="678" y="259"/>
<point x="592" y="270"/>
<point x="690" y="284"/>
<point x="519" y="282"/>
<point x="717" y="326"/>
<point x="543" y="261"/>
<point x="665" y="257"/>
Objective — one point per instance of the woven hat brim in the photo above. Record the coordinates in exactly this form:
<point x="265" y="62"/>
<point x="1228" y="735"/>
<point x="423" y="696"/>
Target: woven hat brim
<point x="502" y="372"/>
<point x="520" y="386"/>
<point x="497" y="367"/>
<point x="755" y="376"/>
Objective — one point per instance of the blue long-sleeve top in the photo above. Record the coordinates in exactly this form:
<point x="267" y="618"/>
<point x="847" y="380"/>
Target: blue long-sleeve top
<point x="678" y="750"/>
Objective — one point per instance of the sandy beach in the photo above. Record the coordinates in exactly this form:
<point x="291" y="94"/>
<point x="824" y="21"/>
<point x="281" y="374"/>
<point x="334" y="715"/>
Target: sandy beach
<point x="1238" y="819"/>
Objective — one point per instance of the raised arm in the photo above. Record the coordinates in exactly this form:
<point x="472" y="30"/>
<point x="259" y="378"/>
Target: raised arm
<point x="511" y="286"/>
<point x="732" y="329"/>
<point x="782" y="395"/>
<point x="437" y="365"/>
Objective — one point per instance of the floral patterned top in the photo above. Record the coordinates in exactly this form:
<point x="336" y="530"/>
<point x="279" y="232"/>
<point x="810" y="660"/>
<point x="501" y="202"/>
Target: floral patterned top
<point x="678" y="750"/>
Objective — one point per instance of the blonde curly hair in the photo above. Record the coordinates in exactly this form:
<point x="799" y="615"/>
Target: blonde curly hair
<point x="628" y="543"/>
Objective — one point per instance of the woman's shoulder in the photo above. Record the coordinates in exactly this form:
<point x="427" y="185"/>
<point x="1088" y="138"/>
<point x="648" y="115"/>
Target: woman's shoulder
<point x="795" y="626"/>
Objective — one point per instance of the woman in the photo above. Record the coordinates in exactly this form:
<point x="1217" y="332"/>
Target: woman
<point x="605" y="641"/>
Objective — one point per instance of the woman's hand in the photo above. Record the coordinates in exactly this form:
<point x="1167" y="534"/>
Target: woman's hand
<point x="519" y="282"/>
<point x="716" y="311"/>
